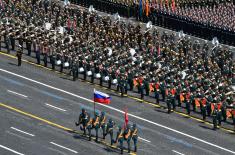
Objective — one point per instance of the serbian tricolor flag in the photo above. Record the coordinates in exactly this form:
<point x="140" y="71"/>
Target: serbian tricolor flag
<point x="101" y="97"/>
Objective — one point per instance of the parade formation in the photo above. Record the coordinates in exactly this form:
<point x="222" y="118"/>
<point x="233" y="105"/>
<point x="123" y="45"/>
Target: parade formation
<point x="99" y="122"/>
<point x="169" y="66"/>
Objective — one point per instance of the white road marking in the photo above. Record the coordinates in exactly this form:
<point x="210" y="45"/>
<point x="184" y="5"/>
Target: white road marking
<point x="17" y="93"/>
<point x="16" y="135"/>
<point x="63" y="147"/>
<point x="145" y="140"/>
<point x="23" y="131"/>
<point x="177" y="152"/>
<point x="4" y="147"/>
<point x="55" y="107"/>
<point x="137" y="117"/>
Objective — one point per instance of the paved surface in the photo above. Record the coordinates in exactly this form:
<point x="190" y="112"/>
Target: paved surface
<point x="57" y="99"/>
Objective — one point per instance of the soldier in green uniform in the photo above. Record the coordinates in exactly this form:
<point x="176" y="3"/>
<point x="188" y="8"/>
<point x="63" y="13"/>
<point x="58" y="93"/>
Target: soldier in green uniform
<point x="146" y="86"/>
<point x="120" y="138"/>
<point x="215" y="117"/>
<point x="127" y="137"/>
<point x="109" y="130"/>
<point x="187" y="102"/>
<point x="95" y="125"/>
<point x="168" y="99"/>
<point x="134" y="132"/>
<point x="162" y="89"/>
<point x="83" y="119"/>
<point x="102" y="123"/>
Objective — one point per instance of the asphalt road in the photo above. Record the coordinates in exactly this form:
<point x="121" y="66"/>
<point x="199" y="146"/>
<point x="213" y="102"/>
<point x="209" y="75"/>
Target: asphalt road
<point x="55" y="98"/>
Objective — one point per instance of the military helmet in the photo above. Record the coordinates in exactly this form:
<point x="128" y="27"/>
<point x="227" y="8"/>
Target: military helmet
<point x="102" y="113"/>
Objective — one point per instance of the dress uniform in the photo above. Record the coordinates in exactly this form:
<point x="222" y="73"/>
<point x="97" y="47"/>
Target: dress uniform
<point x="19" y="56"/>
<point x="109" y="130"/>
<point x="127" y="137"/>
<point x="134" y="132"/>
<point x="215" y="117"/>
<point x="102" y="123"/>
<point x="95" y="124"/>
<point x="120" y="138"/>
<point x="84" y="117"/>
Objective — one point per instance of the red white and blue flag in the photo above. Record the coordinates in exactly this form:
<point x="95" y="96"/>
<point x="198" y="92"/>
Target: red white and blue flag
<point x="101" y="97"/>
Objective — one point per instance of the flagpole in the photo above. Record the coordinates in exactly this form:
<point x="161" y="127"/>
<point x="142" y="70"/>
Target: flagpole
<point x="94" y="108"/>
<point x="94" y="102"/>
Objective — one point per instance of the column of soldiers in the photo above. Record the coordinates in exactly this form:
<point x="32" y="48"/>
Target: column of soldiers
<point x="177" y="69"/>
<point x="127" y="133"/>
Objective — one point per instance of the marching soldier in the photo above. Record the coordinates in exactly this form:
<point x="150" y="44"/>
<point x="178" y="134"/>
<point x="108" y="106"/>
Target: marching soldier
<point x="109" y="130"/>
<point x="89" y="127"/>
<point x="134" y="136"/>
<point x="95" y="125"/>
<point x="120" y="138"/>
<point x="19" y="56"/>
<point x="102" y="123"/>
<point x="127" y="137"/>
<point x="83" y="119"/>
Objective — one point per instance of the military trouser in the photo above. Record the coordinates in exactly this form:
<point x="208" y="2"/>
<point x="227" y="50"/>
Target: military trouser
<point x="45" y="60"/>
<point x="147" y="91"/>
<point x="163" y="95"/>
<point x="130" y="82"/>
<point x="157" y="97"/>
<point x="12" y="44"/>
<point x="215" y="122"/>
<point x="89" y="127"/>
<point x="111" y="136"/>
<point x="208" y="109"/>
<point x="168" y="102"/>
<point x="74" y="71"/>
<point x="178" y="99"/>
<point x="92" y="77"/>
<point x="96" y="133"/>
<point x="173" y="103"/>
<point x="224" y="115"/>
<point x="101" y="80"/>
<point x="128" y="145"/>
<point x="83" y="128"/>
<point x="188" y="107"/>
<point x="135" y="140"/>
<point x="109" y="83"/>
<point x="84" y="75"/>
<point x="38" y="57"/>
<point x="121" y="144"/>
<point x="61" y="67"/>
<point x="194" y="105"/>
<point x="203" y="111"/>
<point x="19" y="60"/>
<point x="103" y="130"/>
<point x="219" y="118"/>
<point x="8" y="47"/>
